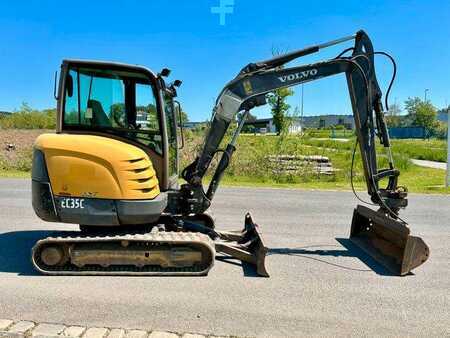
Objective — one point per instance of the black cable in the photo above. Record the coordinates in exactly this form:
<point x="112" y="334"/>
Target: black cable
<point x="351" y="175"/>
<point x="369" y="108"/>
<point x="345" y="51"/>
<point x="394" y="73"/>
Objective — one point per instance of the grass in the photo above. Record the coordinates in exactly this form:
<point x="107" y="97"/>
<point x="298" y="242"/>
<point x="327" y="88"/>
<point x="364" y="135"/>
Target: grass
<point x="431" y="150"/>
<point x="424" y="180"/>
<point x="250" y="165"/>
<point x="14" y="174"/>
<point x="418" y="180"/>
<point x="327" y="133"/>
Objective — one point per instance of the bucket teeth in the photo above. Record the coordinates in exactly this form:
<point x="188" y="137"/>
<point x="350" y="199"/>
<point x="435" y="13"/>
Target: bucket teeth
<point x="387" y="240"/>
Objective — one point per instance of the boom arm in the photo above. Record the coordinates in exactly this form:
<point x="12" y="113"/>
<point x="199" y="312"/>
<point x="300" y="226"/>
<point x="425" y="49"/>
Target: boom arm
<point x="250" y="86"/>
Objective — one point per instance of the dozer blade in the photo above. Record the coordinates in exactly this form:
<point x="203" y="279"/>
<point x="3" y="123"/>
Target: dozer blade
<point x="246" y="245"/>
<point x="387" y="241"/>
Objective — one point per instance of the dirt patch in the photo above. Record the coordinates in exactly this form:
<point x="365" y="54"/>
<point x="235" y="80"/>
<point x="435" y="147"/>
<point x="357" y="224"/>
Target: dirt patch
<point x="16" y="148"/>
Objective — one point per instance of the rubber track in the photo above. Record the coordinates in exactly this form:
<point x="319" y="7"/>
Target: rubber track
<point x="180" y="238"/>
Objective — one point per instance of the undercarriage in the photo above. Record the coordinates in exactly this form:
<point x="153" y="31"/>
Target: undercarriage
<point x="152" y="251"/>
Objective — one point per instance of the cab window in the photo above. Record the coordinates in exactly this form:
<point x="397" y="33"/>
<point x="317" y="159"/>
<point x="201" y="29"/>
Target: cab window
<point x="115" y="102"/>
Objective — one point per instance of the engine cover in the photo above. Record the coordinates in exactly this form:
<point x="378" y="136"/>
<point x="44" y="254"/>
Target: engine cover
<point x="94" y="180"/>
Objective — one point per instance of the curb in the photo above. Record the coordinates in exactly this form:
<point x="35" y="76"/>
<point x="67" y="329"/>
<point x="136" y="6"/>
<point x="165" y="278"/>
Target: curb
<point x="21" y="329"/>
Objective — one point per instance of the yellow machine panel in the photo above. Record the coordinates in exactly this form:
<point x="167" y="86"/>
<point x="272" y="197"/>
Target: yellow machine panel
<point x="97" y="167"/>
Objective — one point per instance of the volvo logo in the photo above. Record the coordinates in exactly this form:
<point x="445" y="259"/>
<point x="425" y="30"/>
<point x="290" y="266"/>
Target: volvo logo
<point x="298" y="76"/>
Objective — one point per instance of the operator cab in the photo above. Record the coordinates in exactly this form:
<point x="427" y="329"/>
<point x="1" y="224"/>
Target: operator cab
<point x="124" y="102"/>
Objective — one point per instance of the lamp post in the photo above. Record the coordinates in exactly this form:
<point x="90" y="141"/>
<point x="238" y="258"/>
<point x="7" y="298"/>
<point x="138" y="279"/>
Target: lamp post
<point x="447" y="177"/>
<point x="425" y="96"/>
<point x="301" y="119"/>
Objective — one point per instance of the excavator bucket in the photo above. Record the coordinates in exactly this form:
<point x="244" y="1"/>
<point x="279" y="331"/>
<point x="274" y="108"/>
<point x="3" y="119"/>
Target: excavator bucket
<point x="387" y="241"/>
<point x="246" y="245"/>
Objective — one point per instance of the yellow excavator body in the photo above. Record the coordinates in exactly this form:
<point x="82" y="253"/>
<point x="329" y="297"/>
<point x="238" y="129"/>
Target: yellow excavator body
<point x="97" y="167"/>
<point x="119" y="129"/>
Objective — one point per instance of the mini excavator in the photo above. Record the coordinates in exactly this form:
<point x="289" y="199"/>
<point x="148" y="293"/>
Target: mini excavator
<point x="112" y="168"/>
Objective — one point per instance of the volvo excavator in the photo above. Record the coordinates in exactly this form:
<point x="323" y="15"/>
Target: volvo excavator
<point x="112" y="168"/>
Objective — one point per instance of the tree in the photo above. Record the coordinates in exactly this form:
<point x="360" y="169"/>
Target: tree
<point x="278" y="104"/>
<point x="118" y="114"/>
<point x="422" y="114"/>
<point x="393" y="116"/>
<point x="441" y="130"/>
<point x="279" y="107"/>
<point x="25" y="108"/>
<point x="411" y="107"/>
<point x="184" y="116"/>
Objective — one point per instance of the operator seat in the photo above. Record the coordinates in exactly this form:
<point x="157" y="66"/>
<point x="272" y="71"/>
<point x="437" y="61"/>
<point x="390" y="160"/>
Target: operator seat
<point x="99" y="117"/>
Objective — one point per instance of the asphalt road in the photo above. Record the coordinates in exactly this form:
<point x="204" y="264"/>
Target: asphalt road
<point x="320" y="286"/>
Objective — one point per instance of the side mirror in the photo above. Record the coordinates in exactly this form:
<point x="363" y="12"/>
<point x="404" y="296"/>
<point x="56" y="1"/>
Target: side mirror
<point x="69" y="85"/>
<point x="165" y="72"/>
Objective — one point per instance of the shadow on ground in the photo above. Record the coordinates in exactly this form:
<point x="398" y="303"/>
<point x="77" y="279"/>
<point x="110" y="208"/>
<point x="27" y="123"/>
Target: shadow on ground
<point x="15" y="253"/>
<point x="15" y="250"/>
<point x="248" y="269"/>
<point x="350" y="250"/>
<point x="319" y="255"/>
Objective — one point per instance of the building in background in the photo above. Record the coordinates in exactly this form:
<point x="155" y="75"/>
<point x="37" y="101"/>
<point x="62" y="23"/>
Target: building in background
<point x="298" y="124"/>
<point x="141" y="117"/>
<point x="192" y="125"/>
<point x="327" y="121"/>
<point x="266" y="125"/>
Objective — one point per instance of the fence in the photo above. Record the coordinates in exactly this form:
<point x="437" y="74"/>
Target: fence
<point x="407" y="132"/>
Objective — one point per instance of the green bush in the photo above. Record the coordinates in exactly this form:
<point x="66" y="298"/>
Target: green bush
<point x="440" y="130"/>
<point x="28" y="118"/>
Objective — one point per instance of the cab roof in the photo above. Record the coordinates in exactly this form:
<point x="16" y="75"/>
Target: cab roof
<point x="109" y="65"/>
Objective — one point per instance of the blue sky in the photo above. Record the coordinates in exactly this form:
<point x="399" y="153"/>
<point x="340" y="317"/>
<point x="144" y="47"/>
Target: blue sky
<point x="186" y="37"/>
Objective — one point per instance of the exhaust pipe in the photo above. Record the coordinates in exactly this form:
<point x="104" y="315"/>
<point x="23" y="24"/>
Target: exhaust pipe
<point x="387" y="241"/>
